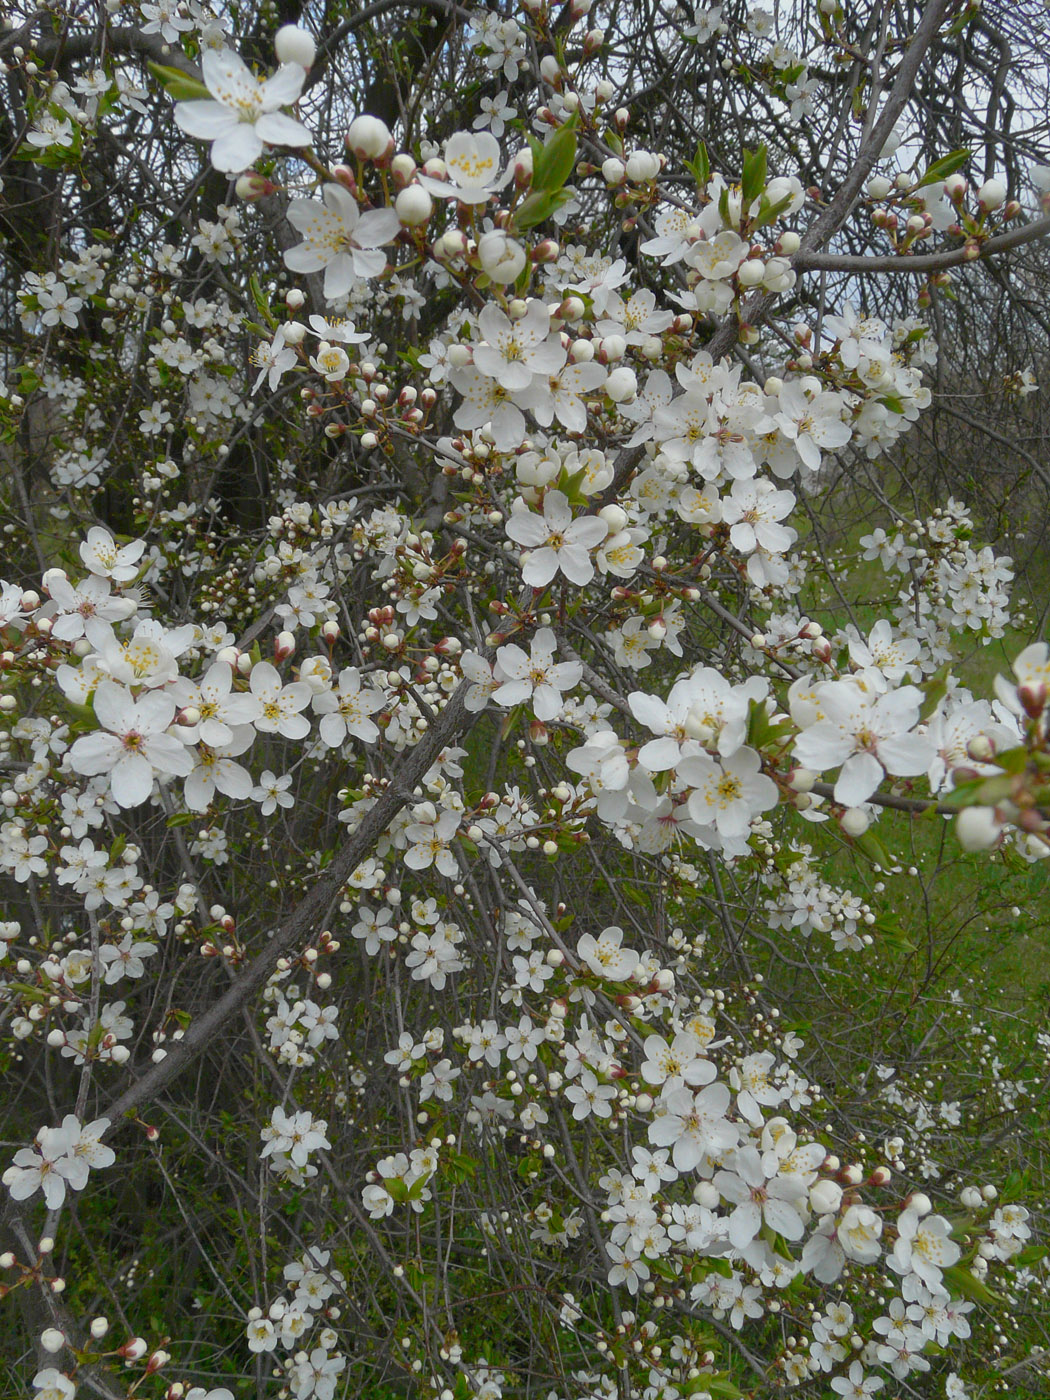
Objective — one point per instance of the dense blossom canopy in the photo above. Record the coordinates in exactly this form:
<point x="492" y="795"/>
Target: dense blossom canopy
<point x="443" y="734"/>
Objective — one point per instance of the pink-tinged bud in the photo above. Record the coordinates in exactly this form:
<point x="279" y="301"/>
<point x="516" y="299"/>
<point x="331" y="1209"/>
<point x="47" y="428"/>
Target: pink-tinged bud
<point x="571" y="309"/>
<point x="592" y="42"/>
<point x="538" y="732"/>
<point x="611" y="349"/>
<point x="283" y="646"/>
<point x="250" y="187"/>
<point x="546" y="251"/>
<point x="1032" y="695"/>
<point x="403" y="169"/>
<point x="880" y="1176"/>
<point x="821" y="649"/>
<point x="1012" y="209"/>
<point x="801" y="779"/>
<point x="522" y="168"/>
<point x="345" y="177"/>
<point x="189" y="716"/>
<point x="955" y="187"/>
<point x="330" y="631"/>
<point x="451" y="245"/>
<point x="156" y="1361"/>
<point x="972" y="250"/>
<point x="227" y="923"/>
<point x="370" y="139"/>
<point x="551" y="71"/>
<point x="134" y="1350"/>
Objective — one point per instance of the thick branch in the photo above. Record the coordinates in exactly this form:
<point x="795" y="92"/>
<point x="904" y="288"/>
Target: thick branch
<point x="922" y="263"/>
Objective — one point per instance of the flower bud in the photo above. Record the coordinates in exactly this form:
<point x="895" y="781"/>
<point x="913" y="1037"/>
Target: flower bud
<point x="622" y="385"/>
<point x="369" y="138"/>
<point x="611" y="349"/>
<point x="977" y="828"/>
<point x="52" y="1340"/>
<point x="294" y="45"/>
<point x="825" y="1197"/>
<point x="413" y="206"/>
<point x="1032" y="695"/>
<point x="403" y="168"/>
<point x="250" y="187"/>
<point x="501" y="257"/>
<point x="854" y="821"/>
<point x="751" y="273"/>
<point x="450" y="245"/>
<point x="705" y="1193"/>
<point x="642" y="167"/>
<point x="283" y="646"/>
<point x="991" y="194"/>
<point x="550" y="70"/>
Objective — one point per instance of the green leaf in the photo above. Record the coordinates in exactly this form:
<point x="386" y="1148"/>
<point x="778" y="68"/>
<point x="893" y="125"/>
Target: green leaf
<point x="872" y="848"/>
<point x="554" y="163"/>
<point x="769" y="213"/>
<point x="722" y="1386"/>
<point x="947" y="165"/>
<point x="262" y="303"/>
<point x="700" y="166"/>
<point x="539" y="205"/>
<point x="960" y="1280"/>
<point x="935" y="689"/>
<point x="177" y="84"/>
<point x="754" y="176"/>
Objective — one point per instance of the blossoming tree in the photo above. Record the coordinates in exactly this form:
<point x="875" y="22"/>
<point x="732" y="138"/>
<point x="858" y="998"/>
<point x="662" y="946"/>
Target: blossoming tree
<point x="439" y="755"/>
